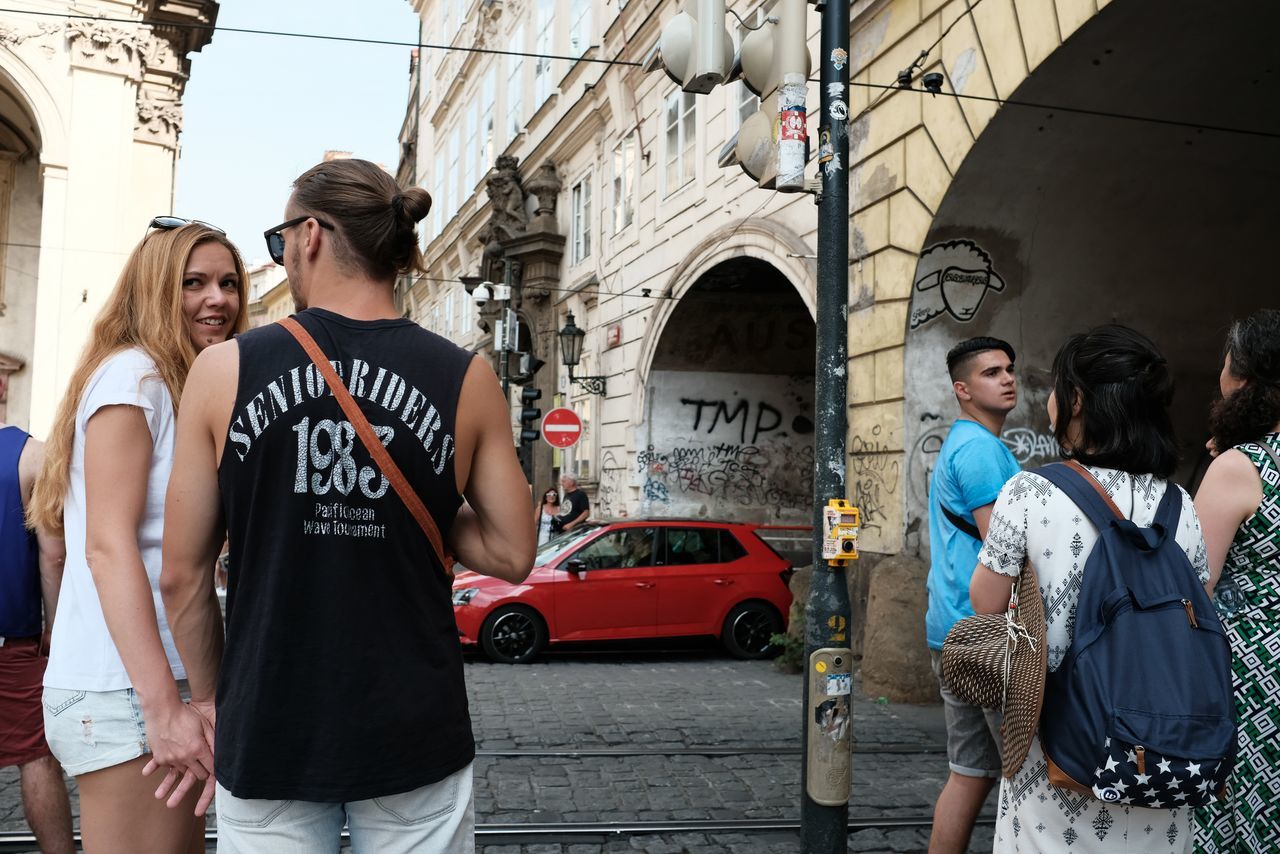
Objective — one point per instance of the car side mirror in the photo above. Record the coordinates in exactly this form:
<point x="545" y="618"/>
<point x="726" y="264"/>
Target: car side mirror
<point x="576" y="565"/>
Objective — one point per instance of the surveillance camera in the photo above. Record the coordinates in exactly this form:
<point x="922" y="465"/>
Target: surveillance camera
<point x="482" y="294"/>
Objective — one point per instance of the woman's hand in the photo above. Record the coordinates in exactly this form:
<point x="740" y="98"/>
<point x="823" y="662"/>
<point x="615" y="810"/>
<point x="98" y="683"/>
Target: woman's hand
<point x="181" y="740"/>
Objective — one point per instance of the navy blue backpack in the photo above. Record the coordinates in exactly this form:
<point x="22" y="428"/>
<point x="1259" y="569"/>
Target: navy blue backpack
<point x="1141" y="710"/>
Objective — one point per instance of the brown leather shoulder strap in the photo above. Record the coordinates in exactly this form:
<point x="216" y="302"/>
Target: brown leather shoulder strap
<point x="371" y="442"/>
<point x="1093" y="481"/>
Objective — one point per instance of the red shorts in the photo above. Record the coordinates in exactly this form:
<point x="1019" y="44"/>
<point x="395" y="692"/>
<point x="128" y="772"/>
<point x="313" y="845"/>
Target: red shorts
<point x="21" y="712"/>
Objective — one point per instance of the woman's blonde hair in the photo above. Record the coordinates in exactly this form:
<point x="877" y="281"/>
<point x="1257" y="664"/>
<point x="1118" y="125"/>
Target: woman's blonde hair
<point x="143" y="311"/>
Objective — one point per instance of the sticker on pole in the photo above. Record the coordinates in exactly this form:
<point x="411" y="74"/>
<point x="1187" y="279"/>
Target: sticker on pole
<point x="562" y="428"/>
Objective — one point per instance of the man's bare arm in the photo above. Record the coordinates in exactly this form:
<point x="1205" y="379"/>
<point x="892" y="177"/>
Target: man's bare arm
<point x="492" y="533"/>
<point x="53" y="550"/>
<point x="576" y="521"/>
<point x="194" y="529"/>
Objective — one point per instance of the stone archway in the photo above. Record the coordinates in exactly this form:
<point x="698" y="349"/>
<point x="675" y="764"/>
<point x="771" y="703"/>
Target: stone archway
<point x="728" y="425"/>
<point x="1058" y="222"/>
<point x="21" y="216"/>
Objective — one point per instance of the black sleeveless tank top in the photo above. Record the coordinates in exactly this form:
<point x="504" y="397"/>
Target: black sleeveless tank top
<point x="342" y="674"/>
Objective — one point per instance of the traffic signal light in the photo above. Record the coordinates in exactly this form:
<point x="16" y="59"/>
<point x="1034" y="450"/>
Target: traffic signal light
<point x="772" y="144"/>
<point x="529" y="415"/>
<point x="695" y="49"/>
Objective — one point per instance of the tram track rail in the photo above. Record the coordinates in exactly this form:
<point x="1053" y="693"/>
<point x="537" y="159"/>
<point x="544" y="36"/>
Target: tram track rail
<point x="518" y="833"/>
<point x="880" y="748"/>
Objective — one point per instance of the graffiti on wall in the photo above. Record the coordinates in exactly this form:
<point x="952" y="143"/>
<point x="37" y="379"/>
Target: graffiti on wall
<point x="609" y="499"/>
<point x="730" y="445"/>
<point x="772" y="479"/>
<point x="952" y="278"/>
<point x="874" y="477"/>
<point x="1029" y="446"/>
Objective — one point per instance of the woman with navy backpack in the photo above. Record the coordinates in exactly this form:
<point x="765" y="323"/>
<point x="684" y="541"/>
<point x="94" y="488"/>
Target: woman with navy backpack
<point x="1109" y="413"/>
<point x="1239" y="505"/>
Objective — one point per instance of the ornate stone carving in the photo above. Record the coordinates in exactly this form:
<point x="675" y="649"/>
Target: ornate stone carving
<point x="507" y="217"/>
<point x="11" y="35"/>
<point x="158" y="55"/>
<point x="106" y="47"/>
<point x="159" y="120"/>
<point x="487" y="23"/>
<point x="546" y="186"/>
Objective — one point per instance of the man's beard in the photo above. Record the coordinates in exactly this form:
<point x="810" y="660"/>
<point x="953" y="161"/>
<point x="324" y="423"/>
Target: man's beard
<point x="295" y="281"/>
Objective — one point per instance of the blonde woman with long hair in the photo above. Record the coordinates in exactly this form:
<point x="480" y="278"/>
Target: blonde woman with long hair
<point x="113" y="683"/>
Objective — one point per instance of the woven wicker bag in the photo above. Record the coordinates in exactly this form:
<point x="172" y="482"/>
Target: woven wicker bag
<point x="973" y="657"/>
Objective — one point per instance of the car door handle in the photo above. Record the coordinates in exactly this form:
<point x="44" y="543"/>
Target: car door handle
<point x="644" y="585"/>
<point x="723" y="582"/>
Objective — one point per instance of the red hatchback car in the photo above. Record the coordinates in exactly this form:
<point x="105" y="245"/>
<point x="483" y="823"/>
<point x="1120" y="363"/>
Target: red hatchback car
<point x="638" y="578"/>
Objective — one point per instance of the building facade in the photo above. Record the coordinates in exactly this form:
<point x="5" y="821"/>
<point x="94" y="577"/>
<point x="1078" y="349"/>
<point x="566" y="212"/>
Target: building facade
<point x="269" y="296"/>
<point x="78" y="186"/>
<point x="1079" y="152"/>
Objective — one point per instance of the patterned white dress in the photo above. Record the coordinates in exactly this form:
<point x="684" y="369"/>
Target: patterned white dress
<point x="1032" y="517"/>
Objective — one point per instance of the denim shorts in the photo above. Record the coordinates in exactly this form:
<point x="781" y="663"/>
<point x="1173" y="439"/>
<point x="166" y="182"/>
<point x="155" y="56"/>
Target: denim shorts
<point x="973" y="734"/>
<point x="439" y="817"/>
<point x="91" y="730"/>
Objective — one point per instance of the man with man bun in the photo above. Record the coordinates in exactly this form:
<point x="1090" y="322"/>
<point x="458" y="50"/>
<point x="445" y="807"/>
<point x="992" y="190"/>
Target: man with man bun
<point x="339" y="693"/>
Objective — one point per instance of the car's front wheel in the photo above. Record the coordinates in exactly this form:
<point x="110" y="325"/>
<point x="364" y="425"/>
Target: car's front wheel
<point x="513" y="634"/>
<point x="749" y="629"/>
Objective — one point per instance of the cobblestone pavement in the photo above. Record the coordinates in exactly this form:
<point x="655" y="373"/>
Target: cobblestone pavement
<point x="668" y="700"/>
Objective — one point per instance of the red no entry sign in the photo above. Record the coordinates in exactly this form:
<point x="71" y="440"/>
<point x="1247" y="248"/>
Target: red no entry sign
<point x="562" y="428"/>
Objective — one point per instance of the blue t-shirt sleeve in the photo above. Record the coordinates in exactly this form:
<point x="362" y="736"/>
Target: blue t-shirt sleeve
<point x="981" y="468"/>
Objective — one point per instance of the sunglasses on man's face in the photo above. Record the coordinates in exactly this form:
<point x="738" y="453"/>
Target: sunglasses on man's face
<point x="168" y="223"/>
<point x="275" y="236"/>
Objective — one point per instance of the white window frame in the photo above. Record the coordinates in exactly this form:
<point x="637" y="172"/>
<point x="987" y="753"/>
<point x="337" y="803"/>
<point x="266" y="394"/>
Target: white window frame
<point x="448" y="314"/>
<point x="469" y="157"/>
<point x="580" y="219"/>
<point x="544" y="29"/>
<point x="488" y="97"/>
<point x="515" y="85"/>
<point x="464" y="301"/>
<point x="453" y="177"/>
<point x="440" y="198"/>
<point x="622" y="182"/>
<point x="684" y="155"/>
<point x="579" y="26"/>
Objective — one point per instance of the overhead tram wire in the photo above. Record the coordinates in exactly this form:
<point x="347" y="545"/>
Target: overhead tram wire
<point x="909" y="70"/>
<point x="888" y="88"/>
<point x="1084" y="111"/>
<point x="213" y="28"/>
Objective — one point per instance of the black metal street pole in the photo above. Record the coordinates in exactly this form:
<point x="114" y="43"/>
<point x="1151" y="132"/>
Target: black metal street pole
<point x="504" y="366"/>
<point x="824" y="829"/>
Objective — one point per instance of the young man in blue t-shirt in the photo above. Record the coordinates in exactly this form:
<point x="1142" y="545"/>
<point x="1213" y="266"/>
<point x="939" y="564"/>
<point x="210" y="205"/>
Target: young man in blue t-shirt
<point x="971" y="468"/>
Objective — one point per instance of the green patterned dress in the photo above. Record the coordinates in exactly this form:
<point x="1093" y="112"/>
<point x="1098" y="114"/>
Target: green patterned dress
<point x="1248" y="599"/>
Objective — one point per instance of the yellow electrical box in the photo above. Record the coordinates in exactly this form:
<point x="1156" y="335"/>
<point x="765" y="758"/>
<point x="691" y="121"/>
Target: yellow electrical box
<point x="840" y="523"/>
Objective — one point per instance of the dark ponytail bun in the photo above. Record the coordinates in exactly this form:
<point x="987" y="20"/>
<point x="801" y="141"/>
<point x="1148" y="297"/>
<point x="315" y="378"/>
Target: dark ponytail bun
<point x="413" y="203"/>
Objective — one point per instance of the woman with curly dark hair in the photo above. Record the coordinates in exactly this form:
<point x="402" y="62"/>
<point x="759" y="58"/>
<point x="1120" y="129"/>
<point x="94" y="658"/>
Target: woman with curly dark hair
<point x="1239" y="507"/>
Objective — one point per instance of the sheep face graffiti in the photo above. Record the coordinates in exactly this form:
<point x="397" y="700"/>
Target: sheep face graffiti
<point x="952" y="277"/>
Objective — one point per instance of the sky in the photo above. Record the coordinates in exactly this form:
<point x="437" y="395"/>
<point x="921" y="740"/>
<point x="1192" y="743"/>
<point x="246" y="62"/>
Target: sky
<point x="259" y="110"/>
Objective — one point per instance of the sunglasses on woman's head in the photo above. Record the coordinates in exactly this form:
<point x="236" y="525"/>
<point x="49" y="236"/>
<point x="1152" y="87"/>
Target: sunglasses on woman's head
<point x="275" y="236"/>
<point x="168" y="223"/>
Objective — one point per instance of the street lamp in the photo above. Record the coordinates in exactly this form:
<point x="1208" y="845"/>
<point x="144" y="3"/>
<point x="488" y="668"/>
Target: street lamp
<point x="571" y="353"/>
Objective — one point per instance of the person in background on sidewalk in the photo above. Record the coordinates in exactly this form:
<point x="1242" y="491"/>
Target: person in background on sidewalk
<point x="340" y="693"/>
<point x="113" y="687"/>
<point x="30" y="573"/>
<point x="545" y="514"/>
<point x="972" y="466"/>
<point x="574" y="507"/>
<point x="1239" y="506"/>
